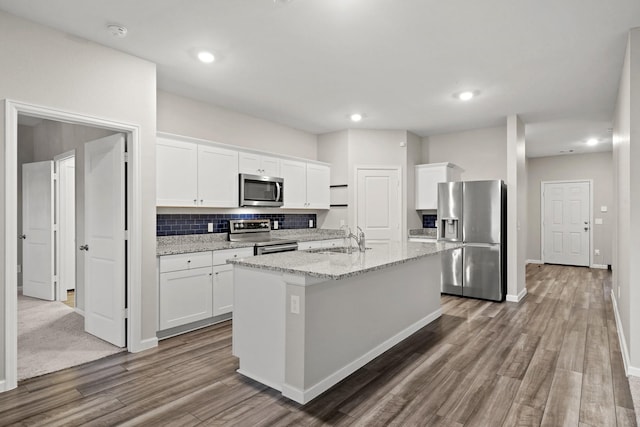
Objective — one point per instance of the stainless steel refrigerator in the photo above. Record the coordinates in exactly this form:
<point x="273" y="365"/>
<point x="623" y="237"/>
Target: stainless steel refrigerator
<point x="474" y="213"/>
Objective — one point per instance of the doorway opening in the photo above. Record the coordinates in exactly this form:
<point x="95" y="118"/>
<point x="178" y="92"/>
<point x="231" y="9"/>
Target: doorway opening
<point x="566" y="216"/>
<point x="129" y="250"/>
<point x="53" y="335"/>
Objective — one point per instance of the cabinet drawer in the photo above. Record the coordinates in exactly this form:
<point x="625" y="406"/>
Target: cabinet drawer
<point x="185" y="261"/>
<point x="221" y="257"/>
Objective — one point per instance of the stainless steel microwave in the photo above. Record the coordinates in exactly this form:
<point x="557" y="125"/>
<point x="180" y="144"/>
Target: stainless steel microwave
<point x="257" y="190"/>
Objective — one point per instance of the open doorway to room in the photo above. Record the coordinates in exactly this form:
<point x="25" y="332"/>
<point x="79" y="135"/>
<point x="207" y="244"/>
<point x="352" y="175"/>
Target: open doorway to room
<point x="54" y="189"/>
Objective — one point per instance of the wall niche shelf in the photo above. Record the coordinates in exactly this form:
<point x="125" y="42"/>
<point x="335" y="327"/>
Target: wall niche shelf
<point x="338" y="196"/>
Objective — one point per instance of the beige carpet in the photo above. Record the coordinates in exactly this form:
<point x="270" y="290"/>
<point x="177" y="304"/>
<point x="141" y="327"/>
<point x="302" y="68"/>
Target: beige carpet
<point x="51" y="337"/>
<point x="634" y="385"/>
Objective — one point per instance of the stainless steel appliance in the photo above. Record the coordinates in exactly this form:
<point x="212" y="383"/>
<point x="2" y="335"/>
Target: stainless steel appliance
<point x="474" y="213"/>
<point x="257" y="190"/>
<point x="258" y="232"/>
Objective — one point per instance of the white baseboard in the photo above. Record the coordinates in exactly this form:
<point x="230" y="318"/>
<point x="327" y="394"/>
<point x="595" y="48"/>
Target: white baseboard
<point x="143" y="345"/>
<point x="3" y="386"/>
<point x="534" y="261"/>
<point x="262" y="380"/>
<point x="628" y="369"/>
<point x="304" y="396"/>
<point x="601" y="266"/>
<point x="517" y="298"/>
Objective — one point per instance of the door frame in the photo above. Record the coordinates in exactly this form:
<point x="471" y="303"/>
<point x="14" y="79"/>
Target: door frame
<point x="12" y="109"/>
<point x="401" y="195"/>
<point x="542" y="230"/>
<point x="58" y="241"/>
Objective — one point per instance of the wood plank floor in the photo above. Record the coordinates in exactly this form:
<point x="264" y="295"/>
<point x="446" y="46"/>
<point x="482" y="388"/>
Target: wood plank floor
<point x="551" y="360"/>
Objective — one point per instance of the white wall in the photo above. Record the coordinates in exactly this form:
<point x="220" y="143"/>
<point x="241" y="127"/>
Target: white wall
<point x="188" y="117"/>
<point x="333" y="148"/>
<point x="595" y="166"/>
<point x="49" y="139"/>
<point x="626" y="176"/>
<point x="482" y="153"/>
<point x="516" y="209"/>
<point x="45" y="67"/>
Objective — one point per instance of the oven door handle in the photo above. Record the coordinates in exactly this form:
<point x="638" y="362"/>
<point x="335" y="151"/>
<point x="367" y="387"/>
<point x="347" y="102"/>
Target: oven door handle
<point x="277" y="248"/>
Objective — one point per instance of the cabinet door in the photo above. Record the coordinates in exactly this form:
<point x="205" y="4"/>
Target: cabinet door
<point x="185" y="297"/>
<point x="295" y="183"/>
<point x="427" y="179"/>
<point x="217" y="177"/>
<point x="270" y="166"/>
<point x="249" y="163"/>
<point x="317" y="186"/>
<point x="176" y="173"/>
<point x="222" y="289"/>
<point x="315" y="244"/>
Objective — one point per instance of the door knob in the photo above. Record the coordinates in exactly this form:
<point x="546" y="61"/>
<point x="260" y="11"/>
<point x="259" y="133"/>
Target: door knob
<point x="22" y="236"/>
<point x="84" y="247"/>
<point x="586" y="229"/>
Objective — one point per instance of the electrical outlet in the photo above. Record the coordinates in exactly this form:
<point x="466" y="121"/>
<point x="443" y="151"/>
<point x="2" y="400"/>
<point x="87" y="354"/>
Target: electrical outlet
<point x="597" y="251"/>
<point x="275" y="225"/>
<point x="618" y="291"/>
<point x="342" y="222"/>
<point x="295" y="304"/>
<point x="210" y="227"/>
<point x="310" y="223"/>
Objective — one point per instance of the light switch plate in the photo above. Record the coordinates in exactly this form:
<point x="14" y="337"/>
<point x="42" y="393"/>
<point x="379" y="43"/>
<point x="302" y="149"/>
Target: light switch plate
<point x="210" y="227"/>
<point x="603" y="208"/>
<point x="598" y="221"/>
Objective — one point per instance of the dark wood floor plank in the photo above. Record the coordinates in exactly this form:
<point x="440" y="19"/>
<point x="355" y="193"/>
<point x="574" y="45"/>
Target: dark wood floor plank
<point x="552" y="359"/>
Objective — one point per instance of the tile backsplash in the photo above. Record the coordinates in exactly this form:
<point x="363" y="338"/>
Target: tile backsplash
<point x="175" y="224"/>
<point x="429" y="221"/>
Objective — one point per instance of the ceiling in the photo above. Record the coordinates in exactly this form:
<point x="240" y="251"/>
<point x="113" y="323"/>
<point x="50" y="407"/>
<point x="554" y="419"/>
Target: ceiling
<point x="309" y="64"/>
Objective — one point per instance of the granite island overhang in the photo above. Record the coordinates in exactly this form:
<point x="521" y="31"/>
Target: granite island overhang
<point x="305" y="320"/>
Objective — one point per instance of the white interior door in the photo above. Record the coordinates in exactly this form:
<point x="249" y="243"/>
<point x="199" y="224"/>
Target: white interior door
<point x="66" y="221"/>
<point x="378" y="203"/>
<point x="37" y="230"/>
<point x="566" y="222"/>
<point x="104" y="258"/>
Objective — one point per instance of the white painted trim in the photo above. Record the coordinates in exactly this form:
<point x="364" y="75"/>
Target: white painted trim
<point x="601" y="266"/>
<point x="79" y="311"/>
<point x="12" y="109"/>
<point x="402" y="217"/>
<point x="542" y="184"/>
<point x="304" y="396"/>
<point x="517" y="298"/>
<point x="534" y="261"/>
<point x="628" y="369"/>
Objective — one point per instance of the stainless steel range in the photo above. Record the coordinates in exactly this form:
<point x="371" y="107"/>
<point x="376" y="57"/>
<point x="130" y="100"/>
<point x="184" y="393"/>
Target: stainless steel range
<point x="258" y="231"/>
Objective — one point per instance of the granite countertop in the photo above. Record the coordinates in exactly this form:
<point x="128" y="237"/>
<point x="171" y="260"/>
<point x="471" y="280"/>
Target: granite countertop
<point x="171" y="245"/>
<point x="429" y="233"/>
<point x="336" y="266"/>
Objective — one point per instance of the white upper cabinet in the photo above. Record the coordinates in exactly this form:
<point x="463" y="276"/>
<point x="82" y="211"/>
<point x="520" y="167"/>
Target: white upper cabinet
<point x="256" y="164"/>
<point x="217" y="177"/>
<point x="318" y="186"/>
<point x="191" y="174"/>
<point x="306" y="185"/>
<point x="295" y="184"/>
<point x="427" y="178"/>
<point x="177" y="173"/>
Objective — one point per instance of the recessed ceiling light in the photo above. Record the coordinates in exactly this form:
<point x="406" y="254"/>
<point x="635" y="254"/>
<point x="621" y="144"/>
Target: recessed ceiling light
<point x="592" y="142"/>
<point x="206" y="57"/>
<point x="117" y="31"/>
<point x="465" y="96"/>
<point x="355" y="117"/>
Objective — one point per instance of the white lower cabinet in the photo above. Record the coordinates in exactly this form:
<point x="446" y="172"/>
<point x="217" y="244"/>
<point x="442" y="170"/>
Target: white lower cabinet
<point x="196" y="286"/>
<point x="185" y="296"/>
<point x="222" y="289"/>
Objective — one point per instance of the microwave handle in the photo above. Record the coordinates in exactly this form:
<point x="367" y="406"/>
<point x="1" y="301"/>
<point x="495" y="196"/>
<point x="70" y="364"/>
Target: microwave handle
<point x="278" y="191"/>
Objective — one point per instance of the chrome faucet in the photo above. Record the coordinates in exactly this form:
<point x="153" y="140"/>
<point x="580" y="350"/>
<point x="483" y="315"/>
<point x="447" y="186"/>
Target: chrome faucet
<point x="360" y="239"/>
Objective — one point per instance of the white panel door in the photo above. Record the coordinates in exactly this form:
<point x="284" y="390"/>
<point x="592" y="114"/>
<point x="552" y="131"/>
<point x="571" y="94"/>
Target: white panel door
<point x="176" y="173"/>
<point x="318" y="177"/>
<point x="66" y="226"/>
<point x="217" y="177"/>
<point x="295" y="183"/>
<point x="104" y="257"/>
<point x="566" y="223"/>
<point x="378" y="204"/>
<point x="37" y="230"/>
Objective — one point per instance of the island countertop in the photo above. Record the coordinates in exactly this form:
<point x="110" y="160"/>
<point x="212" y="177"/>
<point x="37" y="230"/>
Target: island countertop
<point x="335" y="266"/>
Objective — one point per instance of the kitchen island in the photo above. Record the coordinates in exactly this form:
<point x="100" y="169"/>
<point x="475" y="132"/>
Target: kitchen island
<point x="305" y="320"/>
